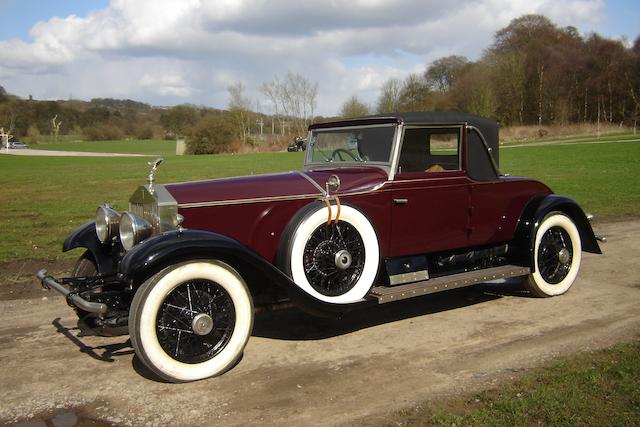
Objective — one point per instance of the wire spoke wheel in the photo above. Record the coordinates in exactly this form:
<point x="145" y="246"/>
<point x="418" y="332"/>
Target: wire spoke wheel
<point x="554" y="255"/>
<point x="195" y="321"/>
<point x="334" y="258"/>
<point x="191" y="320"/>
<point x="557" y="256"/>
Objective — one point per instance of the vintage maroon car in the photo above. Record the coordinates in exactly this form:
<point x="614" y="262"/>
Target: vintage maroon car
<point x="386" y="208"/>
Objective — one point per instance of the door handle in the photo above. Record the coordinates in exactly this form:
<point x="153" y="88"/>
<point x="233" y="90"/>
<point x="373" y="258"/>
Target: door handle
<point x="400" y="201"/>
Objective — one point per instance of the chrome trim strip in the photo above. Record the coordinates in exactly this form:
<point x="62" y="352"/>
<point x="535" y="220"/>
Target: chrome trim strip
<point x="395" y="154"/>
<point x="274" y="198"/>
<point x="414" y="276"/>
<point x="246" y="201"/>
<point x="222" y="178"/>
<point x="315" y="184"/>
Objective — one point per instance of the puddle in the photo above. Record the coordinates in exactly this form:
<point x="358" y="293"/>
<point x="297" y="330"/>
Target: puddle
<point x="68" y="418"/>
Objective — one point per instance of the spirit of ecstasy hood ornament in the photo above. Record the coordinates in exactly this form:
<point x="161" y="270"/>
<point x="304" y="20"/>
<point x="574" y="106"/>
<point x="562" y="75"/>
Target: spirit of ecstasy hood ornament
<point x="154" y="167"/>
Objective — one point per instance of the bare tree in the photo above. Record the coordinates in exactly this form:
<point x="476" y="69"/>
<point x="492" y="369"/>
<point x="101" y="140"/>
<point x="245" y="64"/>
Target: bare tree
<point x="55" y="127"/>
<point x="353" y="107"/>
<point x="271" y="91"/>
<point x="295" y="96"/>
<point x="239" y="106"/>
<point x="389" y="99"/>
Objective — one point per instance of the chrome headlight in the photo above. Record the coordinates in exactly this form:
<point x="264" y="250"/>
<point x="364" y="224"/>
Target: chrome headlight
<point x="107" y="220"/>
<point x="133" y="230"/>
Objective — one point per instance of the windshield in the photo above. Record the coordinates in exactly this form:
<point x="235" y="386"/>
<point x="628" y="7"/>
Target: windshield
<point x="367" y="144"/>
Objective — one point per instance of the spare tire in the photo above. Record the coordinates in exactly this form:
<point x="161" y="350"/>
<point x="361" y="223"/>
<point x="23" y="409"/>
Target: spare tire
<point x="334" y="262"/>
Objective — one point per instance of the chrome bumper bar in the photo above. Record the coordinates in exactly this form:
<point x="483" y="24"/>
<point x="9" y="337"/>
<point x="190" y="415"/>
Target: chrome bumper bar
<point x="74" y="299"/>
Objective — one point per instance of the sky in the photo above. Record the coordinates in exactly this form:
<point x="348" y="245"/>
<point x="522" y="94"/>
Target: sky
<point x="169" y="52"/>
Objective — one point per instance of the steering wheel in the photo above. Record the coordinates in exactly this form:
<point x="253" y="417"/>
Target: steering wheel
<point x="338" y="152"/>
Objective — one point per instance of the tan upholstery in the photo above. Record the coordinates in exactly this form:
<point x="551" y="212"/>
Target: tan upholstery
<point x="435" y="168"/>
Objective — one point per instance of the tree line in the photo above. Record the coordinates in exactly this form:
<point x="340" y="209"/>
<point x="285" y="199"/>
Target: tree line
<point x="291" y="100"/>
<point x="534" y="73"/>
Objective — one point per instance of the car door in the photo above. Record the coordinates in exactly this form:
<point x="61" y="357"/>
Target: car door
<point x="430" y="192"/>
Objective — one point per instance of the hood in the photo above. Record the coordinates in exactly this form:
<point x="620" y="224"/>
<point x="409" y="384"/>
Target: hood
<point x="274" y="186"/>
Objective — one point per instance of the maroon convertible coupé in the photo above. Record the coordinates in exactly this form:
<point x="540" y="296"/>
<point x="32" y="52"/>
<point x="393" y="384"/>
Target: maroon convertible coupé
<point x="385" y="208"/>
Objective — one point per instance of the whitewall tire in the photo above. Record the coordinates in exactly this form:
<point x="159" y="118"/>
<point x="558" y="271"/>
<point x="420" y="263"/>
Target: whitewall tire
<point x="191" y="321"/>
<point x="557" y="255"/>
<point x="335" y="263"/>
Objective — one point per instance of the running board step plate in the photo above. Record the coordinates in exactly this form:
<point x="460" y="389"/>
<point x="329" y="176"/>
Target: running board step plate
<point x="386" y="294"/>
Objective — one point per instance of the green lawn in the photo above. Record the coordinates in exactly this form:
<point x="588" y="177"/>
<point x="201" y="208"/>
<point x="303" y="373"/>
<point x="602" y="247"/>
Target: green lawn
<point x="43" y="198"/>
<point x="591" y="389"/>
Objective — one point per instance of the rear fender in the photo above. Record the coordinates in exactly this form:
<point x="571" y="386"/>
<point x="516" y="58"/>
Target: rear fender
<point x="534" y="213"/>
<point x="163" y="250"/>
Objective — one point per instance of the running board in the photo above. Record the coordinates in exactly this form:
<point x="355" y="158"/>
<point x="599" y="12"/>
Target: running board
<point x="388" y="294"/>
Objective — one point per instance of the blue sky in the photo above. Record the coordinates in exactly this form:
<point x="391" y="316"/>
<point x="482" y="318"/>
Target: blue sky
<point x="168" y="52"/>
<point x="23" y="14"/>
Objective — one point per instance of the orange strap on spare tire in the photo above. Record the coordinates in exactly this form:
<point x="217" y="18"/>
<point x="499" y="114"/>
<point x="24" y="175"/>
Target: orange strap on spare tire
<point x="328" y="205"/>
<point x="326" y="202"/>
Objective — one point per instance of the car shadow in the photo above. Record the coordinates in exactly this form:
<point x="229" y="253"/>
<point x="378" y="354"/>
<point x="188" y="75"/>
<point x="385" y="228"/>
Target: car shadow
<point x="294" y="324"/>
<point x="104" y="353"/>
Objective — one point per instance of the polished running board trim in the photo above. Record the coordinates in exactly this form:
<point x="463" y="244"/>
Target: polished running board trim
<point x="386" y="294"/>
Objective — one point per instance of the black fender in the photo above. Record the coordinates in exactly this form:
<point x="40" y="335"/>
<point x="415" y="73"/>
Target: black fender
<point x="85" y="237"/>
<point x="532" y="216"/>
<point x="172" y="247"/>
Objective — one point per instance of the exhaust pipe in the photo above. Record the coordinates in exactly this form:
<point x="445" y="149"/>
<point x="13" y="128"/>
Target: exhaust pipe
<point x="74" y="299"/>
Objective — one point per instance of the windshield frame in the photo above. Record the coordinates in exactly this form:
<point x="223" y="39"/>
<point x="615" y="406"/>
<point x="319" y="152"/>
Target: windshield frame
<point x="310" y="164"/>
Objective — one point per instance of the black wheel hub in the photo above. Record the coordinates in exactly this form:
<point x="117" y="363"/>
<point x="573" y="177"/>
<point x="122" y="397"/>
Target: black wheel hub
<point x="555" y="255"/>
<point x="195" y="321"/>
<point x="334" y="258"/>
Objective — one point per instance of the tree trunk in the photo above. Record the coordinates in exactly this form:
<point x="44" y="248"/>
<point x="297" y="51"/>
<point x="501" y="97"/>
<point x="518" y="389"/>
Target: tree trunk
<point x="586" y="102"/>
<point x="540" y="76"/>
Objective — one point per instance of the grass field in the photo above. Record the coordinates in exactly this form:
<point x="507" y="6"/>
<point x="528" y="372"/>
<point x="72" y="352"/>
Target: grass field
<point x="44" y="198"/>
<point x="591" y="389"/>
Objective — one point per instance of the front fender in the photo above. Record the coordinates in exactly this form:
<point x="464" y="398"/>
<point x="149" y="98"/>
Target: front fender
<point x="85" y="237"/>
<point x="534" y="213"/>
<point x="163" y="250"/>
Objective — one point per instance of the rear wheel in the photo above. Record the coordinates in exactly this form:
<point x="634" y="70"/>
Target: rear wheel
<point x="557" y="256"/>
<point x="191" y="321"/>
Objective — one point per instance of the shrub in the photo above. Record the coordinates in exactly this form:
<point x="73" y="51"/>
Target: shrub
<point x="33" y="135"/>
<point x="103" y="132"/>
<point x="143" y="132"/>
<point x="213" y="134"/>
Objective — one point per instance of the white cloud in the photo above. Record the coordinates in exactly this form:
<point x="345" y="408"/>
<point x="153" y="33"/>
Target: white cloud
<point x="166" y="84"/>
<point x="175" y="51"/>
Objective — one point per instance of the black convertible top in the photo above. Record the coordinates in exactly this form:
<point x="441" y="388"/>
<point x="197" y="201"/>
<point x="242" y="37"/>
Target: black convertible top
<point x="478" y="161"/>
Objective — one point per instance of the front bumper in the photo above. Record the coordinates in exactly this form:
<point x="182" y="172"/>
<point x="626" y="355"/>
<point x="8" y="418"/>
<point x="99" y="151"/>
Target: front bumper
<point x="73" y="299"/>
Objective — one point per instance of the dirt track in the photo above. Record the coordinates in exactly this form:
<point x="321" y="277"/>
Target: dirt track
<point x="301" y="370"/>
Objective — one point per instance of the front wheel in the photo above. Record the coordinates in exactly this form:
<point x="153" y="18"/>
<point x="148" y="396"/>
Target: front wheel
<point x="557" y="256"/>
<point x="191" y="321"/>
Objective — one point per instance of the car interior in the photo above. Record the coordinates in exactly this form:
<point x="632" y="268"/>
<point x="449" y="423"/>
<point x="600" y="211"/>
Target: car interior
<point x="429" y="150"/>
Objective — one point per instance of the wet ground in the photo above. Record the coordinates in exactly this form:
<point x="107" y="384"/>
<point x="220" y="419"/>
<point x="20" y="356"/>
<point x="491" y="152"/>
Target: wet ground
<point x="302" y="370"/>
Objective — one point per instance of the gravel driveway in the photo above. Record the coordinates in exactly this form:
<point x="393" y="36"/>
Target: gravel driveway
<point x="299" y="370"/>
<point x="31" y="152"/>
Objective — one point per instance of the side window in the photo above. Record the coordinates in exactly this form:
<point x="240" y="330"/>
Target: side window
<point x="430" y="150"/>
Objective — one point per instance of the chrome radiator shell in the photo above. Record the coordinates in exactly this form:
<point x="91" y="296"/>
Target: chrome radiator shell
<point x="157" y="206"/>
